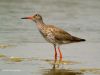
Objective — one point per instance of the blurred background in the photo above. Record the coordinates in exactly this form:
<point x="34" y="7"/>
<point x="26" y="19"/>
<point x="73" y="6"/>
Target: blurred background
<point x="29" y="53"/>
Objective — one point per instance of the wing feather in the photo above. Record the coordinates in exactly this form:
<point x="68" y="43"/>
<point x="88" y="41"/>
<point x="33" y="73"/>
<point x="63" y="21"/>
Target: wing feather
<point x="63" y="36"/>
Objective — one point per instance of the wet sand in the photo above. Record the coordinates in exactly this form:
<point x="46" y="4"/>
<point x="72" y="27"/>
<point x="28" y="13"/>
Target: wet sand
<point x="37" y="59"/>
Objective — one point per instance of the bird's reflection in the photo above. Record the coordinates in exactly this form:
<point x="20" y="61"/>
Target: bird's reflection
<point x="56" y="71"/>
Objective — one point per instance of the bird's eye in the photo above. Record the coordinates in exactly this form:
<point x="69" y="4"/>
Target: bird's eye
<point x="36" y="15"/>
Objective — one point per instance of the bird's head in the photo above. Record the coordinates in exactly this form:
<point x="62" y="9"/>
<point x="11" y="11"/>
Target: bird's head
<point x="36" y="17"/>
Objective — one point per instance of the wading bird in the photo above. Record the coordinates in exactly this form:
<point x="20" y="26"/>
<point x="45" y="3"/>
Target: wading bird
<point x="53" y="34"/>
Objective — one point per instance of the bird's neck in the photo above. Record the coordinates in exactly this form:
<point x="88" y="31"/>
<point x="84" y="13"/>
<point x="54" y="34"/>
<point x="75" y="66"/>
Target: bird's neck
<point x="40" y="24"/>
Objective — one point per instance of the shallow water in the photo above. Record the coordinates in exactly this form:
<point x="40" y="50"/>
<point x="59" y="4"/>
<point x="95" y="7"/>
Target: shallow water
<point x="23" y="51"/>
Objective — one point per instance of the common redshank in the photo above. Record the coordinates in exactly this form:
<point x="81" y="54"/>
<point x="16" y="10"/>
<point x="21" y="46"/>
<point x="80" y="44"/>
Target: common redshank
<point x="53" y="34"/>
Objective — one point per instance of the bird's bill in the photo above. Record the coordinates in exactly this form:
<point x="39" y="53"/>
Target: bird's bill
<point x="29" y="17"/>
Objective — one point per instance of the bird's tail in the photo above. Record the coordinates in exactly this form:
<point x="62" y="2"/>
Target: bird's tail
<point x="76" y="39"/>
<point x="82" y="40"/>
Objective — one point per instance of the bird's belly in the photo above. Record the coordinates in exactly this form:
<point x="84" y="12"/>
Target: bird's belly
<point x="54" y="41"/>
<point x="48" y="37"/>
<point x="51" y="39"/>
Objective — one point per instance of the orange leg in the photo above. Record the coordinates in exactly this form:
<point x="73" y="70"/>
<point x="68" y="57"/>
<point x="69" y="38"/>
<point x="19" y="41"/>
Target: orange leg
<point x="60" y="53"/>
<point x="55" y="53"/>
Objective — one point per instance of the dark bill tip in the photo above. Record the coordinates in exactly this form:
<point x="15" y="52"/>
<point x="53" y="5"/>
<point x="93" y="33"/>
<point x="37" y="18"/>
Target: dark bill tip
<point x="24" y="18"/>
<point x="29" y="17"/>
